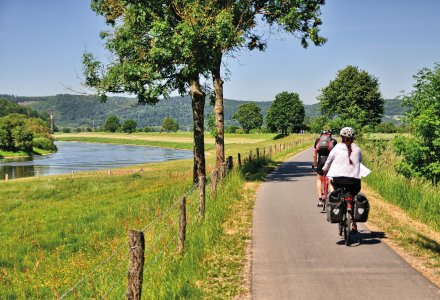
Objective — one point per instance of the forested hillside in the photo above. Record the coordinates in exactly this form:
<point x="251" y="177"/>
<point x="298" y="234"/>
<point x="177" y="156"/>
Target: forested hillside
<point x="88" y="111"/>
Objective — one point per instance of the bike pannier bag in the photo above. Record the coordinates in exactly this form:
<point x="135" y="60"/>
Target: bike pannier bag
<point x="334" y="207"/>
<point x="361" y="208"/>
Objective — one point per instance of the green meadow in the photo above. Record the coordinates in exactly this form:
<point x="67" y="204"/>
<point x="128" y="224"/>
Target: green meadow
<point x="67" y="237"/>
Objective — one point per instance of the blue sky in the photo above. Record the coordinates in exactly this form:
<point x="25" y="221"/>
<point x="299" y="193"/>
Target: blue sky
<point x="41" y="43"/>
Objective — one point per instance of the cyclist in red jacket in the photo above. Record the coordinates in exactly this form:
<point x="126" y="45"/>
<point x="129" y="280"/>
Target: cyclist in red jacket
<point x="322" y="147"/>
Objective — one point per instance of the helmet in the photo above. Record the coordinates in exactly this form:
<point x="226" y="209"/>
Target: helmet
<point x="324" y="132"/>
<point x="347" y="132"/>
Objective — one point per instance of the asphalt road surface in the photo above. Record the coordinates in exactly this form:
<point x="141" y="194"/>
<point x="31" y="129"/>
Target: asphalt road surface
<point x="297" y="254"/>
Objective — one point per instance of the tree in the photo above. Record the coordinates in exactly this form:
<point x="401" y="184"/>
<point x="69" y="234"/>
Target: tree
<point x="129" y="126"/>
<point x="353" y="94"/>
<point x="286" y="113"/>
<point x="112" y="124"/>
<point x="249" y="116"/>
<point x="236" y="27"/>
<point x="161" y="46"/>
<point x="169" y="124"/>
<point x="421" y="153"/>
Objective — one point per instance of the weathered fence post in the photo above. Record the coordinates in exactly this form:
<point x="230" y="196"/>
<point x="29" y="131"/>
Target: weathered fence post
<point x="6" y="177"/>
<point x="73" y="174"/>
<point x="257" y="150"/>
<point x="270" y="151"/>
<point x="264" y="151"/>
<point x="250" y="155"/>
<point x="182" y="225"/>
<point x="230" y="163"/>
<point x="109" y="173"/>
<point x="239" y="159"/>
<point x="202" y="180"/>
<point x="136" y="244"/>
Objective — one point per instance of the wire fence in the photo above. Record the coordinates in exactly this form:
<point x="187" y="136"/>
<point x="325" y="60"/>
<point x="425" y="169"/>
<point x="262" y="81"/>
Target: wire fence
<point x="107" y="279"/>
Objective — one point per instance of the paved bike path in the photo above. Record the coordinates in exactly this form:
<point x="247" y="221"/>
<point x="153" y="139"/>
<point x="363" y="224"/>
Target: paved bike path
<point x="297" y="254"/>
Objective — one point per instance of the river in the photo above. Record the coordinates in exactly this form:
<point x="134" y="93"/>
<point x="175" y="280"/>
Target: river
<point x="77" y="157"/>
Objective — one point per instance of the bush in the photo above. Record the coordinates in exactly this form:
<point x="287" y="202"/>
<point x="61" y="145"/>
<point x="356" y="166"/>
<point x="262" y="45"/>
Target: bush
<point x="67" y="130"/>
<point x="44" y="144"/>
<point x="231" y="129"/>
<point x="240" y="131"/>
<point x="78" y="129"/>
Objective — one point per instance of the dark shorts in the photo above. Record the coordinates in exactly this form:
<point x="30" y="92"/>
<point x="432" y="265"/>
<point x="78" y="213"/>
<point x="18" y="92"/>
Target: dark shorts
<point x="321" y="163"/>
<point x="352" y="185"/>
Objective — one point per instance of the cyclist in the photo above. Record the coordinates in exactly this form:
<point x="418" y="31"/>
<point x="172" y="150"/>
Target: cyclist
<point x="322" y="147"/>
<point x="343" y="165"/>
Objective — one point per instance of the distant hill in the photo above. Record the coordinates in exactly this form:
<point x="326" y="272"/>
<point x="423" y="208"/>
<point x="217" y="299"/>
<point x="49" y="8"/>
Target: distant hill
<point x="88" y="111"/>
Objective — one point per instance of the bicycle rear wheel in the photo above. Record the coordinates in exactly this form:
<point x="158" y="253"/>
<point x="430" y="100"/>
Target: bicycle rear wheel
<point x="349" y="225"/>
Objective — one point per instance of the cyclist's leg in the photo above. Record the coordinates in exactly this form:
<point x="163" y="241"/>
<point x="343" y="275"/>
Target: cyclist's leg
<point x="319" y="184"/>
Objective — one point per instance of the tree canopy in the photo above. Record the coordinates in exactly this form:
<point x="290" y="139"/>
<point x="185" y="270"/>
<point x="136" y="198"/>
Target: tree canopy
<point x="421" y="153"/>
<point x="249" y="116"/>
<point x="169" y="124"/>
<point x="286" y="113"/>
<point x="112" y="124"/>
<point x="129" y="126"/>
<point x="353" y="94"/>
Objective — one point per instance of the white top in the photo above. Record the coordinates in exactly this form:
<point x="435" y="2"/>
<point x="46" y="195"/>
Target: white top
<point x="338" y="164"/>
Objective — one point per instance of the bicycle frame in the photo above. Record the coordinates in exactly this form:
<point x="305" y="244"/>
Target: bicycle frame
<point x="325" y="182"/>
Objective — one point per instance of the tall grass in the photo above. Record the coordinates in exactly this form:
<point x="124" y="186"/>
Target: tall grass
<point x="419" y="198"/>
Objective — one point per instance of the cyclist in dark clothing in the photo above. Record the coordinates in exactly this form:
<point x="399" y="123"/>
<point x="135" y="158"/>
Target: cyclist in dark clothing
<point x="322" y="147"/>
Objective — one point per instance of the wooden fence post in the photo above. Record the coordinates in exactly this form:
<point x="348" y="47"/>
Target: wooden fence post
<point x="109" y="173"/>
<point x="264" y="151"/>
<point x="202" y="180"/>
<point x="136" y="242"/>
<point x="230" y="163"/>
<point x="182" y="225"/>
<point x="73" y="174"/>
<point x="250" y="155"/>
<point x="270" y="151"/>
<point x="257" y="150"/>
<point x="239" y="159"/>
<point x="6" y="177"/>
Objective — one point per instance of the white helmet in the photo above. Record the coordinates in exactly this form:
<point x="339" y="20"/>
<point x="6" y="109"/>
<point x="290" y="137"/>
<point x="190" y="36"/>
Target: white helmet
<point x="347" y="132"/>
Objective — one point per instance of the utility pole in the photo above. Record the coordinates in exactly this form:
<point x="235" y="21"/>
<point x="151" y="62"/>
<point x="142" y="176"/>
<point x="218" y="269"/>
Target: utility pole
<point x="51" y="123"/>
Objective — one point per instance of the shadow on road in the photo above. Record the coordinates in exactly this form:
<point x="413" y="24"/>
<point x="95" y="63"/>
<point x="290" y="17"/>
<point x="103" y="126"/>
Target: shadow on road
<point x="291" y="170"/>
<point x="364" y="237"/>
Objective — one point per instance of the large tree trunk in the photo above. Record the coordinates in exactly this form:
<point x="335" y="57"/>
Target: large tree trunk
<point x="198" y="107"/>
<point x="219" y="113"/>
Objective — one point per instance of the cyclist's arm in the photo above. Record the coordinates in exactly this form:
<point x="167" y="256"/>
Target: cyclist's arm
<point x="315" y="157"/>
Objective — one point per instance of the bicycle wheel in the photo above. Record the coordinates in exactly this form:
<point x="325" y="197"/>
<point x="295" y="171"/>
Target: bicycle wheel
<point x="340" y="227"/>
<point x="349" y="224"/>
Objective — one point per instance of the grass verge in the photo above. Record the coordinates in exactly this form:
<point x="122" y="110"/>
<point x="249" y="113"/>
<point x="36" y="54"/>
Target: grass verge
<point x="416" y="242"/>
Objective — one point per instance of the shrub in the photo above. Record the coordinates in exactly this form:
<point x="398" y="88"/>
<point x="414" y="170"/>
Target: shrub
<point x="44" y="143"/>
<point x="231" y="129"/>
<point x="67" y="130"/>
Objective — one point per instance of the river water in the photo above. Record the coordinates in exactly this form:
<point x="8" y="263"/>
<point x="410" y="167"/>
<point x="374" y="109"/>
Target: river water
<point x="76" y="157"/>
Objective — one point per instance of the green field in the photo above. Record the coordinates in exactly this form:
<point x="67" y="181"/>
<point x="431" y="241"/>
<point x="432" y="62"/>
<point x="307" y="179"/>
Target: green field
<point x="58" y="230"/>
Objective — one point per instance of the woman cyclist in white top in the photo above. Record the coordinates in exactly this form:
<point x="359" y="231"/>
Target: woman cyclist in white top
<point x="343" y="165"/>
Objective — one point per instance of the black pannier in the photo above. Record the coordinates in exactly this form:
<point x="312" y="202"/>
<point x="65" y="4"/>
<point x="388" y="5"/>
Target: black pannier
<point x="333" y="207"/>
<point x="361" y="208"/>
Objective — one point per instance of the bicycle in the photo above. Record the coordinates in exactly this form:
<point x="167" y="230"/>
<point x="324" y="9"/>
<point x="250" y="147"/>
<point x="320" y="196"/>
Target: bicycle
<point x="325" y="182"/>
<point x="324" y="194"/>
<point x="346" y="223"/>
